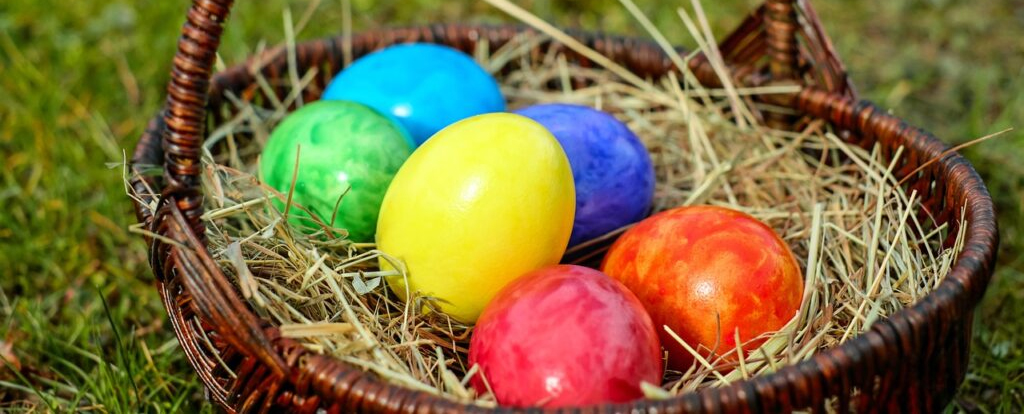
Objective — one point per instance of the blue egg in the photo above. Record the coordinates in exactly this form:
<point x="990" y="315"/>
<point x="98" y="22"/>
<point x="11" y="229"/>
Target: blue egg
<point x="426" y="87"/>
<point x="611" y="167"/>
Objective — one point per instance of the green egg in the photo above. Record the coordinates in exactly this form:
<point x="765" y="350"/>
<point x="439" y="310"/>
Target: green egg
<point x="346" y="150"/>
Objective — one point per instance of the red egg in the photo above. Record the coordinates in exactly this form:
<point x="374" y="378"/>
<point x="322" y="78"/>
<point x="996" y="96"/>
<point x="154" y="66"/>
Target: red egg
<point x="707" y="272"/>
<point x="565" y="335"/>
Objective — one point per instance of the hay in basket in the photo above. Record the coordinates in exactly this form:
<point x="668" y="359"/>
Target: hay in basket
<point x="865" y="246"/>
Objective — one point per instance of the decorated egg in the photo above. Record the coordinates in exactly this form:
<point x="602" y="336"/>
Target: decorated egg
<point x="707" y="273"/>
<point x="425" y="86"/>
<point x="482" y="202"/>
<point x="611" y="168"/>
<point x="565" y="336"/>
<point x="347" y="155"/>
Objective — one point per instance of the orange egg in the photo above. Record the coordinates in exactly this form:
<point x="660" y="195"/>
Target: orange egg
<point x="707" y="272"/>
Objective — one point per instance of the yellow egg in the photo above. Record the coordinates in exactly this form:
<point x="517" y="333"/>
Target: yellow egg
<point x="482" y="202"/>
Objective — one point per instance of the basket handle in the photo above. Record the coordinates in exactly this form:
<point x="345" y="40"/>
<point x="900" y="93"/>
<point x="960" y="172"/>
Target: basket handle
<point x="781" y="27"/>
<point x="185" y="116"/>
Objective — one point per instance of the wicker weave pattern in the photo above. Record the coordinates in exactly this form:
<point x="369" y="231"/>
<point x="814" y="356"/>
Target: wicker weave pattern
<point x="910" y="362"/>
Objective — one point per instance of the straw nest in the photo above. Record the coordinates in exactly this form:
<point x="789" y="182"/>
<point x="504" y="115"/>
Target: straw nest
<point x="864" y="250"/>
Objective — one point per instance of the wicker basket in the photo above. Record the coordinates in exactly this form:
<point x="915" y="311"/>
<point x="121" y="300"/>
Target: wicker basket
<point x="910" y="362"/>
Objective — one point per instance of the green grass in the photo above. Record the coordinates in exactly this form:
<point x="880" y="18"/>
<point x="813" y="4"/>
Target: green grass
<point x="79" y="79"/>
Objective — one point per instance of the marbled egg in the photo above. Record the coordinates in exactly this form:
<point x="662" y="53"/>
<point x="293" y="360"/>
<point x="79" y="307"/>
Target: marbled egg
<point x="611" y="168"/>
<point x="565" y="336"/>
<point x="425" y="86"/>
<point x="344" y="148"/>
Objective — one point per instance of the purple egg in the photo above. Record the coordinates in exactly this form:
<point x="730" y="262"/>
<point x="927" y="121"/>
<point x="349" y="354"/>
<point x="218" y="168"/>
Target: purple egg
<point x="612" y="169"/>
